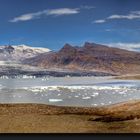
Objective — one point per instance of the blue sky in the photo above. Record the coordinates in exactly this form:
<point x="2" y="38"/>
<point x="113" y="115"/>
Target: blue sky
<point x="52" y="23"/>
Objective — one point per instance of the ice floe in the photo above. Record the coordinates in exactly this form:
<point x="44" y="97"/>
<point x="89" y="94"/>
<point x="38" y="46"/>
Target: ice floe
<point x="55" y="100"/>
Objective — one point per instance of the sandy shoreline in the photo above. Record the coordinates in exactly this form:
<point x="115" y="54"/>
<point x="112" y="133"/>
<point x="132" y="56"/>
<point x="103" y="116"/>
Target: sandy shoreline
<point x="40" y="118"/>
<point x="37" y="118"/>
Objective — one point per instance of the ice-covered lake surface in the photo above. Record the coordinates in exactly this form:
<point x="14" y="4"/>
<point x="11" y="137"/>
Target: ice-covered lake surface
<point x="69" y="91"/>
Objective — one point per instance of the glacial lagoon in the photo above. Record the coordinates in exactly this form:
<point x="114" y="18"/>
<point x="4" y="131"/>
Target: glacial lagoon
<point x="68" y="91"/>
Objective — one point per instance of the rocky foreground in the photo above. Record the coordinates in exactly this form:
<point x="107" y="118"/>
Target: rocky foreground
<point x="37" y="118"/>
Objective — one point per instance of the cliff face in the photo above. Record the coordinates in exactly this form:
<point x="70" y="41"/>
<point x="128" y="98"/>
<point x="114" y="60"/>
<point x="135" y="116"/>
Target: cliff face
<point x="90" y="57"/>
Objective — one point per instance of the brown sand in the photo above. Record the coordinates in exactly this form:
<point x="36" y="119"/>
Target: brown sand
<point x="36" y="118"/>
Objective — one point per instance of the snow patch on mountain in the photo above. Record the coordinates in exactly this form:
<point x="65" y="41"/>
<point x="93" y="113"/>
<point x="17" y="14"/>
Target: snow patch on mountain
<point x="20" y="52"/>
<point x="23" y="47"/>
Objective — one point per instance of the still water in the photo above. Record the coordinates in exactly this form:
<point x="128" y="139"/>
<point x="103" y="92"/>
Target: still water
<point x="69" y="91"/>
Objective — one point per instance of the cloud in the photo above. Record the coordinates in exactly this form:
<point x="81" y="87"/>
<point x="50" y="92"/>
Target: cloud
<point x="108" y="30"/>
<point x="55" y="12"/>
<point x="62" y="11"/>
<point x="26" y="17"/>
<point x="99" y="21"/>
<point x="132" y="15"/>
<point x="127" y="46"/>
<point x="87" y="7"/>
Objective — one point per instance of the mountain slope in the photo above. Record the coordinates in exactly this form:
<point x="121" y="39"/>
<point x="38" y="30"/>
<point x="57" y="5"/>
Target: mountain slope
<point x="90" y="57"/>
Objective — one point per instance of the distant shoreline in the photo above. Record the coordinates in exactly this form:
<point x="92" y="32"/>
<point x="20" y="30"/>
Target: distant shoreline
<point x="41" y="74"/>
<point x="129" y="77"/>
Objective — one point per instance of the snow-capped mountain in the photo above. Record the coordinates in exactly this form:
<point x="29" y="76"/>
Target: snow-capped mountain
<point x="20" y="52"/>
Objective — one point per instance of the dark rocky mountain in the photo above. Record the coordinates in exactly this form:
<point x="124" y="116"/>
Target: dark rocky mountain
<point x="91" y="57"/>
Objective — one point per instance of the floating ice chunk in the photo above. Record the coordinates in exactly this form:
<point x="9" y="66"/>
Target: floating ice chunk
<point x="71" y="88"/>
<point x="4" y="77"/>
<point x="110" y="102"/>
<point x="94" y="104"/>
<point x="1" y="87"/>
<point x="95" y="94"/>
<point x="122" y="92"/>
<point x="35" y="90"/>
<point x="55" y="100"/>
<point x="85" y="98"/>
<point x="14" y="96"/>
<point x="76" y="96"/>
<point x="45" y="79"/>
<point x="28" y="77"/>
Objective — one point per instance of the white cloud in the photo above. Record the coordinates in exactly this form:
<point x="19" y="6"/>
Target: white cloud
<point x="87" y="7"/>
<point x="132" y="15"/>
<point x="99" y="21"/>
<point x="63" y="11"/>
<point x="29" y="16"/>
<point x="55" y="12"/>
<point x="127" y="46"/>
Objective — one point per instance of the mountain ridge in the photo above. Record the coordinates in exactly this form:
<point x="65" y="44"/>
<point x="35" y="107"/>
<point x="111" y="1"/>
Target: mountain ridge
<point x="90" y="57"/>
